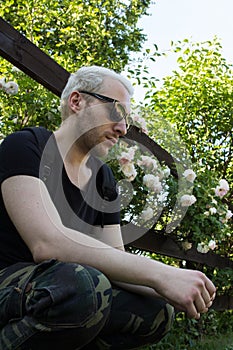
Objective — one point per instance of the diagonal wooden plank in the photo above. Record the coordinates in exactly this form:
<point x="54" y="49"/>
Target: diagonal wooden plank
<point x="21" y="52"/>
<point x="155" y="241"/>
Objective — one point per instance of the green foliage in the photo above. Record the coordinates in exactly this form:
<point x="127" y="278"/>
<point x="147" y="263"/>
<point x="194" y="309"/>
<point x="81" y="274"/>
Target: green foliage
<point x="212" y="331"/>
<point x="191" y="116"/>
<point x="73" y="33"/>
<point x="76" y="33"/>
<point x="33" y="105"/>
<point x="198" y="99"/>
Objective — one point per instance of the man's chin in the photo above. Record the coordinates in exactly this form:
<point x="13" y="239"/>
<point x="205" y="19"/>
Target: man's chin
<point x="100" y="150"/>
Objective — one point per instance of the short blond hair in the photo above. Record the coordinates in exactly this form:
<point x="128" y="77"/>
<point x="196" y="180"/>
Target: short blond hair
<point x="90" y="78"/>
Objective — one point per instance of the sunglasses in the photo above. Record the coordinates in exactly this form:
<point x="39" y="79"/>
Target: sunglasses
<point x="118" y="111"/>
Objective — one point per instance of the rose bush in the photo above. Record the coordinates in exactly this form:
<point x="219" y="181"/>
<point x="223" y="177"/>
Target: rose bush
<point x="159" y="198"/>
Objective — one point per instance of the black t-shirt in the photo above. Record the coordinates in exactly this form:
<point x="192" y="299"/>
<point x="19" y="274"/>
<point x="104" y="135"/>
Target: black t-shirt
<point x="20" y="154"/>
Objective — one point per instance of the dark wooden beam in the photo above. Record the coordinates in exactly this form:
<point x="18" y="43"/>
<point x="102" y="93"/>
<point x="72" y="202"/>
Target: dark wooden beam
<point x="22" y="53"/>
<point x="156" y="242"/>
<point x="222" y="303"/>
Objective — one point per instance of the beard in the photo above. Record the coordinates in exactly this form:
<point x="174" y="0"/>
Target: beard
<point x="92" y="131"/>
<point x="94" y="142"/>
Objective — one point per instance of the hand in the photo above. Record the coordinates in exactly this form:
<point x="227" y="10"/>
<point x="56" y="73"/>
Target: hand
<point x="187" y="290"/>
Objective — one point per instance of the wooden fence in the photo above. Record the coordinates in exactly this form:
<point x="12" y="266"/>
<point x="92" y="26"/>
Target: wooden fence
<point x="18" y="50"/>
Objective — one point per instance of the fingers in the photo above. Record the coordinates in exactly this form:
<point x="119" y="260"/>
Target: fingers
<point x="206" y="297"/>
<point x="200" y="305"/>
<point x="202" y="298"/>
<point x="210" y="288"/>
<point x="209" y="304"/>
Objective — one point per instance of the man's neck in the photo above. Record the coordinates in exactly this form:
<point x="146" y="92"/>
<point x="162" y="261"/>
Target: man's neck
<point x="69" y="147"/>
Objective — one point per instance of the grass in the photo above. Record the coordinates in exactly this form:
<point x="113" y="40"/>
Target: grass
<point x="221" y="342"/>
<point x="218" y="342"/>
<point x="212" y="332"/>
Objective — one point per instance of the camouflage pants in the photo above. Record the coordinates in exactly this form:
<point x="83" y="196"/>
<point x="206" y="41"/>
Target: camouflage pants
<point x="55" y="305"/>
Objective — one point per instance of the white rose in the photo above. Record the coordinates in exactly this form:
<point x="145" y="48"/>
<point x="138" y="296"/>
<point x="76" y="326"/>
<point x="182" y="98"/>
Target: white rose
<point x="166" y="172"/>
<point x="127" y="156"/>
<point x="152" y="182"/>
<point x="212" y="210"/>
<point x="224" y="184"/>
<point x="229" y="214"/>
<point x="212" y="244"/>
<point x="202" y="248"/>
<point x="139" y="122"/>
<point x="222" y="189"/>
<point x="129" y="171"/>
<point x="11" y="88"/>
<point x="147" y="162"/>
<point x="187" y="200"/>
<point x="147" y="214"/>
<point x="189" y="175"/>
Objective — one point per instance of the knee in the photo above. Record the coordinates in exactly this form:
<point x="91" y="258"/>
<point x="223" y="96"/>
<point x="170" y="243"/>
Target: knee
<point x="169" y="318"/>
<point x="70" y="294"/>
<point x="157" y="322"/>
<point x="162" y="323"/>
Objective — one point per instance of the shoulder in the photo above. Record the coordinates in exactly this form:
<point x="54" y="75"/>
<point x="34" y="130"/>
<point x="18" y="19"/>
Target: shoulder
<point x="27" y="135"/>
<point x="20" y="154"/>
<point x="23" y="140"/>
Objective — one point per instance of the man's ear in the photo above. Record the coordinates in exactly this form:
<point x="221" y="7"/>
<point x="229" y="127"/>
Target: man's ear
<point x="75" y="100"/>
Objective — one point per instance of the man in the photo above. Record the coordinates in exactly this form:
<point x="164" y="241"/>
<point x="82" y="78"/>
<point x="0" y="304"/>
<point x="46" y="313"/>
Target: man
<point x="66" y="281"/>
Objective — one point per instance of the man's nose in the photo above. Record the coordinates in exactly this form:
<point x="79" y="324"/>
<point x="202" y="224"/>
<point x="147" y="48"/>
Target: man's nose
<point x="120" y="128"/>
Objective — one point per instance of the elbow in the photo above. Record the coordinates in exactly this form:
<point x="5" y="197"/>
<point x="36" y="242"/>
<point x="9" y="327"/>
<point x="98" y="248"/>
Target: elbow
<point x="41" y="253"/>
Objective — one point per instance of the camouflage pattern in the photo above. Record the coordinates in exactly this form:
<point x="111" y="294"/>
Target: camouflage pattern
<point x="67" y="306"/>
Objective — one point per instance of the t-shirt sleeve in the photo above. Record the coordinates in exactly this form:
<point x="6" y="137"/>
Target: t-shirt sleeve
<point x="111" y="197"/>
<point x="19" y="155"/>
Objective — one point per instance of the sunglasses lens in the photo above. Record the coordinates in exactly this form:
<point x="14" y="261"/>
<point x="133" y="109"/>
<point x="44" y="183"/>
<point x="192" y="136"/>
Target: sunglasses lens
<point x="118" y="112"/>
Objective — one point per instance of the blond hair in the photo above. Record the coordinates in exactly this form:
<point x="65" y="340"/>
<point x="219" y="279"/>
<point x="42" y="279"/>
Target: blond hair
<point x="90" y="79"/>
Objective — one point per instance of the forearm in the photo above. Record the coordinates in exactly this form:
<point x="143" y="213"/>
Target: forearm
<point x="142" y="290"/>
<point x="68" y="245"/>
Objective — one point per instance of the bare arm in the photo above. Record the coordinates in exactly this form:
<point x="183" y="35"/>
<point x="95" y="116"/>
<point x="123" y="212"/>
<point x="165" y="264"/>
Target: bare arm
<point x="36" y="219"/>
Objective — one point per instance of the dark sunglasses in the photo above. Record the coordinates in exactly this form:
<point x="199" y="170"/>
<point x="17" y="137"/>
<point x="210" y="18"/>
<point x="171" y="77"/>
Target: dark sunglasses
<point x="118" y="111"/>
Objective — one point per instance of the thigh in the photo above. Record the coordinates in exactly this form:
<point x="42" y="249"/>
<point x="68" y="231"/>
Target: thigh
<point x="13" y="282"/>
<point x="54" y="293"/>
<point x="52" y="303"/>
<point x="68" y="294"/>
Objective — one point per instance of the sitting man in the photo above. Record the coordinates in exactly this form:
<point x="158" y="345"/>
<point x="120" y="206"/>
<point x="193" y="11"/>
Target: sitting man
<point x="65" y="280"/>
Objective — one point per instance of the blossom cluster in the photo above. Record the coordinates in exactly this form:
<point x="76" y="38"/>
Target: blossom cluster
<point x="10" y="87"/>
<point x="222" y="188"/>
<point x="204" y="248"/>
<point x="201" y="247"/>
<point x="222" y="214"/>
<point x="186" y="200"/>
<point x="132" y="163"/>
<point x="130" y="158"/>
<point x="138" y="121"/>
<point x="220" y="191"/>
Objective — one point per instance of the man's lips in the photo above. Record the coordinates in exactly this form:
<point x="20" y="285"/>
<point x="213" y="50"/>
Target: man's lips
<point x="113" y="140"/>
